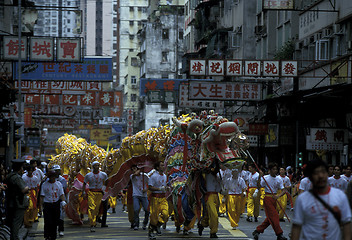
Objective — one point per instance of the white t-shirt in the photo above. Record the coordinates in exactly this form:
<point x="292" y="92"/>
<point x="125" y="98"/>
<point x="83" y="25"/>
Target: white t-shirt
<point x="340" y="183"/>
<point x="137" y="184"/>
<point x="235" y="186"/>
<point x="96" y="181"/>
<point x="317" y="222"/>
<point x="213" y="182"/>
<point x="275" y="184"/>
<point x="38" y="173"/>
<point x="225" y="173"/>
<point x="305" y="184"/>
<point x="158" y="181"/>
<point x="244" y="174"/>
<point x="253" y="179"/>
<point x="51" y="191"/>
<point x="31" y="182"/>
<point x="348" y="179"/>
<point x="286" y="181"/>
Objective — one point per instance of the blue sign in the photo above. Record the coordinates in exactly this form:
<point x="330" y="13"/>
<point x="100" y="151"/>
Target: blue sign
<point x="116" y="128"/>
<point x="90" y="70"/>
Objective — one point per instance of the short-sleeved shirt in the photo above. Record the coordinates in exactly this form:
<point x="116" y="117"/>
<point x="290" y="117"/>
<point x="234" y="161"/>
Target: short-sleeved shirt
<point x="51" y="191"/>
<point x="158" y="181"/>
<point x="286" y="181"/>
<point x="96" y="180"/>
<point x="235" y="185"/>
<point x="253" y="179"/>
<point x="137" y="184"/>
<point x="340" y="183"/>
<point x="15" y="186"/>
<point x="31" y="182"/>
<point x="272" y="184"/>
<point x="244" y="174"/>
<point x="38" y="173"/>
<point x="305" y="184"/>
<point x="213" y="182"/>
<point x="317" y="222"/>
<point x="63" y="181"/>
<point x="348" y="179"/>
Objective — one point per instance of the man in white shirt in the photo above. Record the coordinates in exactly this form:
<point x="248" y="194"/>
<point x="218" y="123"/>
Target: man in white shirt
<point x="159" y="208"/>
<point x="32" y="182"/>
<point x="52" y="197"/>
<point x="305" y="185"/>
<point x="235" y="186"/>
<point x="337" y="181"/>
<point x="347" y="175"/>
<point x="97" y="180"/>
<point x="139" y="182"/>
<point x="282" y="201"/>
<point x="272" y="184"/>
<point x="210" y="217"/>
<point x="63" y="181"/>
<point x="312" y="220"/>
<point x="253" y="199"/>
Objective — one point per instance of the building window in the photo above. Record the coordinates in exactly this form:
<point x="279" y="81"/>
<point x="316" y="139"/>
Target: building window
<point x="131" y="23"/>
<point x="165" y="75"/>
<point x="133" y="80"/>
<point x="131" y="9"/>
<point x="139" y="23"/>
<point x="131" y="36"/>
<point x="180" y="35"/>
<point x="131" y="50"/>
<point x="322" y="50"/>
<point x="68" y="30"/>
<point x="134" y="62"/>
<point x="68" y="21"/>
<point x="133" y="97"/>
<point x="139" y="9"/>
<point x="165" y="34"/>
<point x="164" y="56"/>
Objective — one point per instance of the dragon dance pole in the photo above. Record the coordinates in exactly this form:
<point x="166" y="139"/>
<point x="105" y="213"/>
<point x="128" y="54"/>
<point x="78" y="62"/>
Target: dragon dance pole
<point x="247" y="153"/>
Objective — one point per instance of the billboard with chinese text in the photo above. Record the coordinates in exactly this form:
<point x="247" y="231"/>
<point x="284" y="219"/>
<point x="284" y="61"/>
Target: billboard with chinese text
<point x="155" y="84"/>
<point x="91" y="69"/>
<point x="203" y="90"/>
<point x="278" y="4"/>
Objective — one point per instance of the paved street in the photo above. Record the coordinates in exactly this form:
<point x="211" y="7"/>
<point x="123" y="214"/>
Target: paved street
<point x="119" y="228"/>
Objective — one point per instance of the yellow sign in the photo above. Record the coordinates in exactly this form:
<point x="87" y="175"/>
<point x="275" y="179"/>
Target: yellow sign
<point x="100" y="134"/>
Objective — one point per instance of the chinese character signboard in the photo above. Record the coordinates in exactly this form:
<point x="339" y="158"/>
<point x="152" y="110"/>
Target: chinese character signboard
<point x="68" y="49"/>
<point x="243" y="68"/>
<point x="204" y="104"/>
<point x="272" y="137"/>
<point x="41" y="49"/>
<point x="278" y="4"/>
<point x="106" y="98"/>
<point x="258" y="129"/>
<point x="216" y="68"/>
<point x="116" y="110"/>
<point x="92" y="69"/>
<point x="224" y="91"/>
<point x="326" y="139"/>
<point x="11" y="48"/>
<point x="197" y="67"/>
<point x="57" y="87"/>
<point x="157" y="84"/>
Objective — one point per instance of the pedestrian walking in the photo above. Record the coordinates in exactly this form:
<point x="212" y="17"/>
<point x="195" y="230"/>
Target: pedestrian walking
<point x="253" y="200"/>
<point x="272" y="184"/>
<point x="16" y="198"/>
<point x="337" y="181"/>
<point x="282" y="201"/>
<point x="322" y="212"/>
<point x="96" y="180"/>
<point x="63" y="182"/>
<point x="210" y="211"/>
<point x="159" y="209"/>
<point x="236" y="187"/>
<point x="32" y="182"/>
<point x="52" y="199"/>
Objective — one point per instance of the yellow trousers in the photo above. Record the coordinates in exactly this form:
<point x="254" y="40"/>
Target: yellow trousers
<point x="243" y="203"/>
<point x="253" y="203"/>
<point x="222" y="207"/>
<point x="94" y="201"/>
<point x="112" y="202"/>
<point x="234" y="208"/>
<point x="283" y="203"/>
<point x="31" y="212"/>
<point x="211" y="219"/>
<point x="159" y="211"/>
<point x="262" y="195"/>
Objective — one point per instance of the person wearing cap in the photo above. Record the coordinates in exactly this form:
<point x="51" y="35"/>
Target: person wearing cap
<point x="63" y="181"/>
<point x="32" y="182"/>
<point x="52" y="198"/>
<point x="16" y="198"/>
<point x="96" y="180"/>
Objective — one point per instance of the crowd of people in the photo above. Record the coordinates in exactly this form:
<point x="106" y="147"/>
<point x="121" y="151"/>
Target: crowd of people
<point x="320" y="196"/>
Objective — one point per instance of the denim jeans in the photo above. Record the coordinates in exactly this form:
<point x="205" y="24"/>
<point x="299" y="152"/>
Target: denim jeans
<point x="137" y="201"/>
